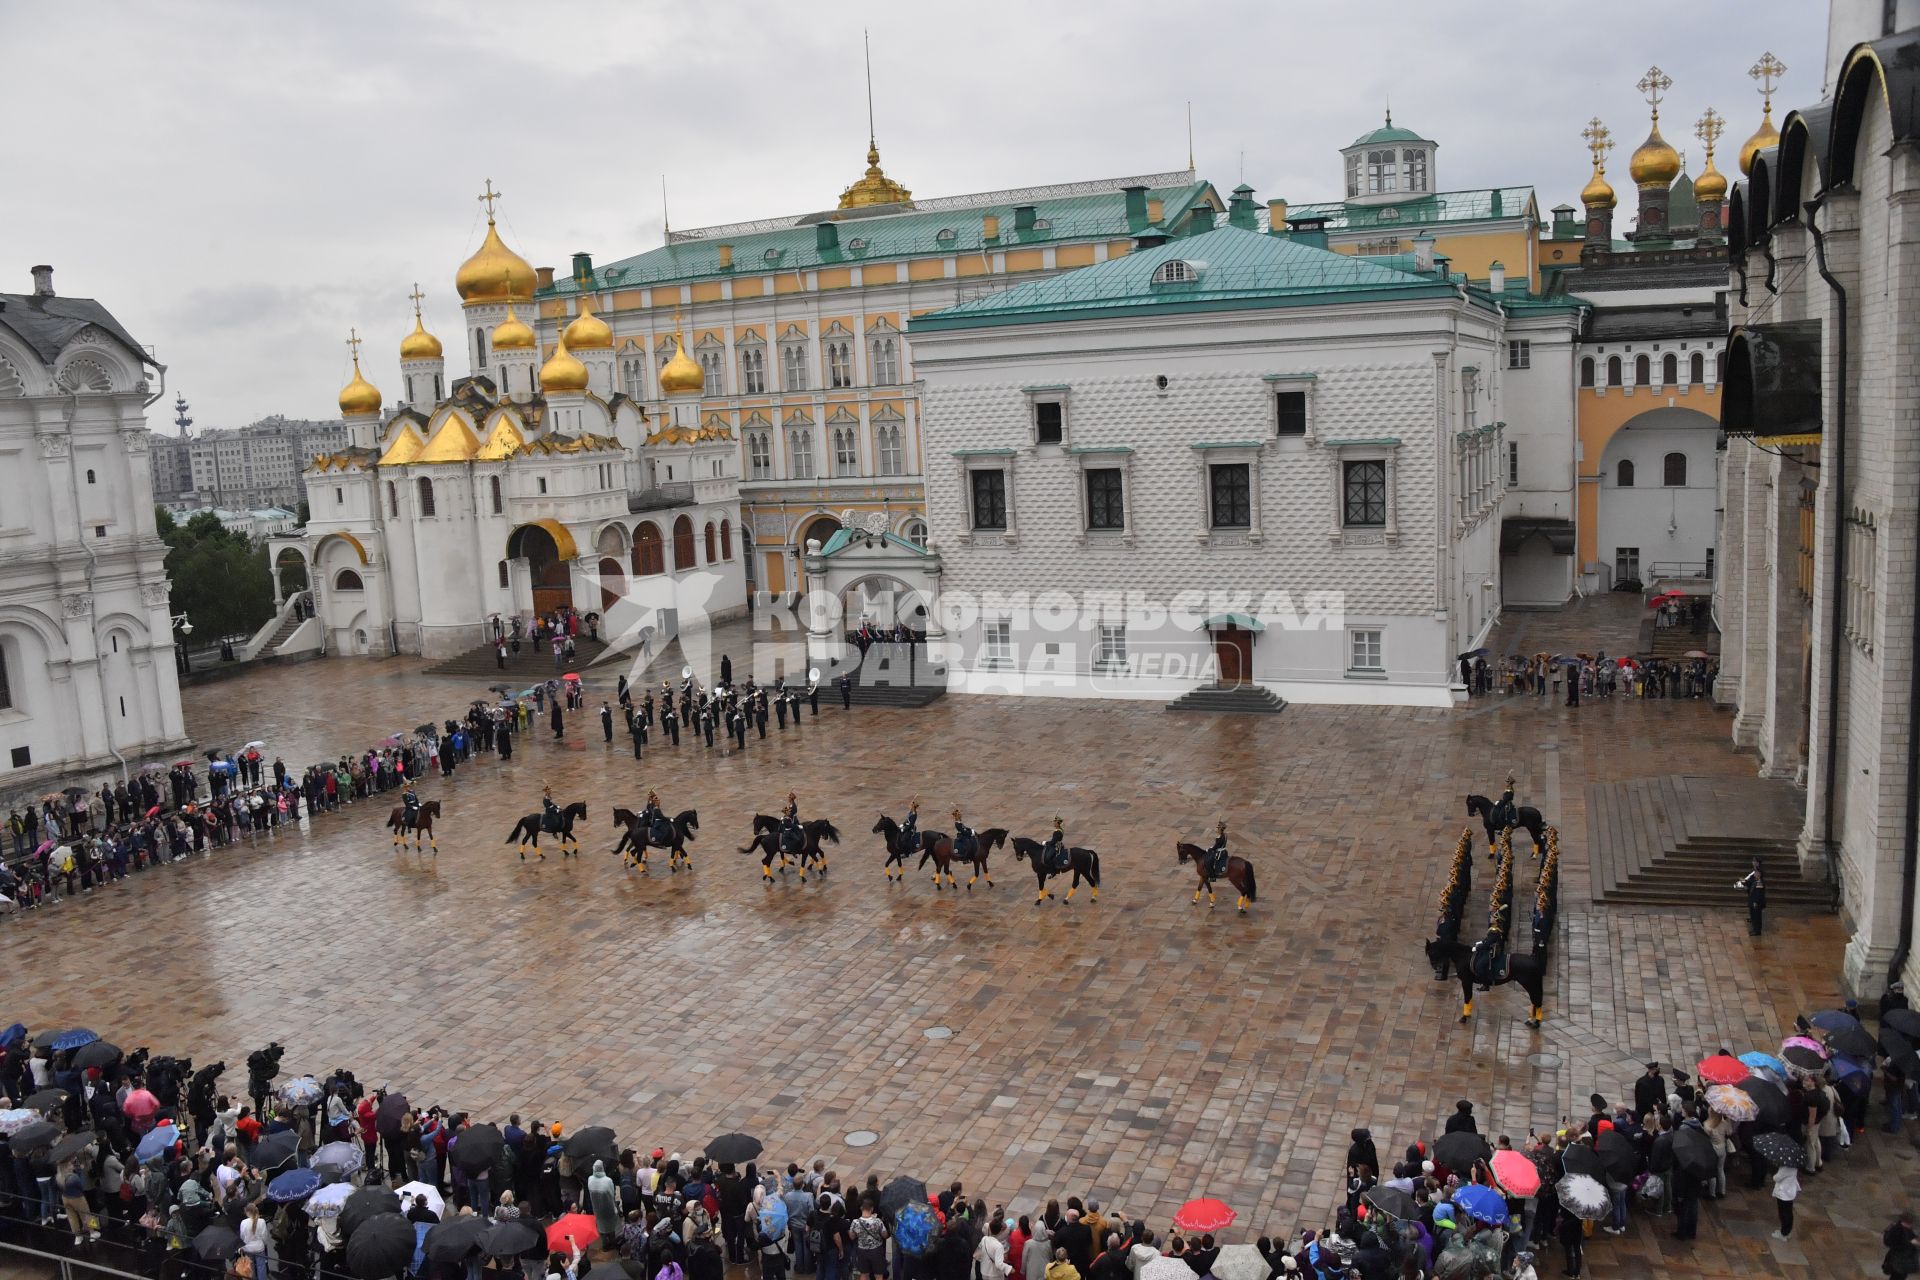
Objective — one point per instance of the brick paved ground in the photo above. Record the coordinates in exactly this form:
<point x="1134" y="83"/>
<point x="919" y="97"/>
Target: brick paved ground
<point x="1140" y="1049"/>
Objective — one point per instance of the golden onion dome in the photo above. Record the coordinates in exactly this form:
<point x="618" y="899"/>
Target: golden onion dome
<point x="419" y="345"/>
<point x="1598" y="193"/>
<point x="562" y="373"/>
<point x="588" y="332"/>
<point x="1655" y="163"/>
<point x="494" y="273"/>
<point x="1763" y="137"/>
<point x="681" y="375"/>
<point x="513" y="334"/>
<point x="359" y="397"/>
<point x="874" y="186"/>
<point x="1711" y="185"/>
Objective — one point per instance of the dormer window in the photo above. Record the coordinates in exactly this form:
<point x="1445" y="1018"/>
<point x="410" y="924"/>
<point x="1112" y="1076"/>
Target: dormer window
<point x="1382" y="172"/>
<point x="946" y="235"/>
<point x="1043" y="224"/>
<point x="1175" y="271"/>
<point x="1416" y="162"/>
<point x="771" y="255"/>
<point x="857" y="244"/>
<point x="1389" y="215"/>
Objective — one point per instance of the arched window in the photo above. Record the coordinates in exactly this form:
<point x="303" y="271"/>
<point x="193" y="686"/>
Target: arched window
<point x="426" y="495"/>
<point x="1382" y="171"/>
<point x="1719" y="367"/>
<point x="1642" y="371"/>
<point x="1586" y="371"/>
<point x="347" y="580"/>
<point x="1623" y="478"/>
<point x="1173" y="271"/>
<point x="505" y="573"/>
<point x="1697" y="368"/>
<point x="890" y="457"/>
<point x="726" y="539"/>
<point x="493" y="487"/>
<point x="683" y="544"/>
<point x="90" y="478"/>
<point x="1416" y="159"/>
<point x="1613" y="371"/>
<point x="711" y="543"/>
<point x="885" y="363"/>
<point x="649" y="556"/>
<point x="1674" y="470"/>
<point x="839" y="364"/>
<point x="1669" y="369"/>
<point x="916" y="532"/>
<point x="393" y="499"/>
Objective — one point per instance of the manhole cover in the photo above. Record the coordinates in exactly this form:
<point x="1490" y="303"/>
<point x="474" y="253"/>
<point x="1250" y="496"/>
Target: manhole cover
<point x="862" y="1138"/>
<point x="1543" y="1059"/>
<point x="939" y="1033"/>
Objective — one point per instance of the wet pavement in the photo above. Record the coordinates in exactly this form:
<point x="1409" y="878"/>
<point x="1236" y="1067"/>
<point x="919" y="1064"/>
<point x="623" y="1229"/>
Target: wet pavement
<point x="1138" y="1049"/>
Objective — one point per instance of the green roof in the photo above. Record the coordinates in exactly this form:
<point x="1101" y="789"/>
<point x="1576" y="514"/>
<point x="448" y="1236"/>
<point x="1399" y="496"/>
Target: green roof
<point x="1390" y="132"/>
<point x="1422" y="211"/>
<point x="1235" y="268"/>
<point x="886" y="237"/>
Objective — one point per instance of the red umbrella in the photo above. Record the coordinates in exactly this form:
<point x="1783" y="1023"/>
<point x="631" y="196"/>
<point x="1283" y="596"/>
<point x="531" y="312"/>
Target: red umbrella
<point x="1722" y="1068"/>
<point x="578" y="1226"/>
<point x="1515" y="1173"/>
<point x="573" y="676"/>
<point x="153" y="811"/>
<point x="140" y="1103"/>
<point x="1203" y="1215"/>
<point x="1665" y="596"/>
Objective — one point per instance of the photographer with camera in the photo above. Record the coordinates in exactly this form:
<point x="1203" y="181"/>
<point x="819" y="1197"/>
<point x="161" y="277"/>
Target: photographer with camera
<point x="262" y="1066"/>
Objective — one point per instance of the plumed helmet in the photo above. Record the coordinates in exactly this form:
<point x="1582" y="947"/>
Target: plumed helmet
<point x="1221" y="827"/>
<point x="1059" y="823"/>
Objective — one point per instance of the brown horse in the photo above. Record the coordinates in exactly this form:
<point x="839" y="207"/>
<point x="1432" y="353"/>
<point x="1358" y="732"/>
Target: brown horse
<point x="422" y="824"/>
<point x="1239" y="875"/>
<point x="938" y="845"/>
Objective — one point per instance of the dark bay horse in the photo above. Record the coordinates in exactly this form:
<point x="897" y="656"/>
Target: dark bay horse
<point x="1526" y="817"/>
<point x="422" y="824"/>
<point x="1083" y="863"/>
<point x="1239" y="875"/>
<point x="635" y="840"/>
<point x="897" y="847"/>
<point x="938" y="845"/>
<point x="527" y="831"/>
<point x="766" y="842"/>
<point x="1529" y="970"/>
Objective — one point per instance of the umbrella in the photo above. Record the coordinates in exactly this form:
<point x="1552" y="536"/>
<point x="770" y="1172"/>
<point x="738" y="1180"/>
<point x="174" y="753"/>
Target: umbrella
<point x="1585" y="1197"/>
<point x="341" y="1159"/>
<point x="1617" y="1156"/>
<point x="1583" y="1160"/>
<point x="572" y="677"/>
<point x="1905" y="1021"/>
<point x="411" y="1190"/>
<point x="73" y="793"/>
<point x="72" y="1145"/>
<point x="365" y="1205"/>
<point x="1693" y="1151"/>
<point x="382" y="1246"/>
<point x="1845" y="1067"/>
<point x="773" y="1217"/>
<point x="1721" y="1069"/>
<point x="274" y="1150"/>
<point x="733" y="1148"/>
<point x="15" y="1119"/>
<point x="1483" y="1204"/>
<point x="139" y="1104"/>
<point x="13" y="1035"/>
<point x="1162" y="1269"/>
<point x="47" y="1099"/>
<point x="1205" y="1214"/>
<point x="1834" y="1020"/>
<point x="511" y="1237"/>
<point x="392" y="1110"/>
<point x="156" y="1142"/>
<point x="1801" y="1058"/>
<point x="216" y="1243"/>
<point x="1459" y="1151"/>
<point x="300" y="1091"/>
<point x="914" y="1227"/>
<point x="1771" y="1099"/>
<point x="1757" y="1061"/>
<point x="294" y="1184"/>
<point x="212" y="755"/>
<point x="1898" y="1048"/>
<point x="1855" y="1042"/>
<point x="577" y="1227"/>
<point x="1240" y="1262"/>
<point x="1697" y="653"/>
<point x="326" y="1202"/>
<point x="1803" y="1042"/>
<point x="77" y="1038"/>
<point x="1516" y="1173"/>
<point x="1473" y="653"/>
<point x="455" y="1238"/>
<point x="1654" y="602"/>
<point x="1779" y="1149"/>
<point x="251" y="745"/>
<point x="901" y="1192"/>
<point x="153" y="811"/>
<point x="98" y="1054"/>
<point x="1732" y="1102"/>
<point x="1391" y="1201"/>
<point x="153" y="766"/>
<point x="41" y="1133"/>
<point x="475" y="1148"/>
<point x="595" y="1142"/>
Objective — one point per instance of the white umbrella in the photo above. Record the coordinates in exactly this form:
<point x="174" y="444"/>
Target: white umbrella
<point x="1585" y="1196"/>
<point x="326" y="1202"/>
<point x="412" y="1189"/>
<point x="338" y="1161"/>
<point x="1240" y="1262"/>
<point x="1165" y="1268"/>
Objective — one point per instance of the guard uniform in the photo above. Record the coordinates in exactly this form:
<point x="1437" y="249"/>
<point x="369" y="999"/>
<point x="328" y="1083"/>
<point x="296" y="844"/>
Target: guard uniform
<point x="1055" y="852"/>
<point x="964" y="841"/>
<point x="791" y="834"/>
<point x="1217" y="855"/>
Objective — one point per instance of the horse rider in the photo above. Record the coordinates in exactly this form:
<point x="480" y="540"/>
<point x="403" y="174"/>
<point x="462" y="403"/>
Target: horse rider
<point x="1217" y="855"/>
<point x="1506" y="815"/>
<point x="1055" y="850"/>
<point x="792" y="836"/>
<point x="549" y="811"/>
<point x="654" y="822"/>
<point x="964" y="841"/>
<point x="910" y="829"/>
<point x="1489" y="959"/>
<point x="410" y="804"/>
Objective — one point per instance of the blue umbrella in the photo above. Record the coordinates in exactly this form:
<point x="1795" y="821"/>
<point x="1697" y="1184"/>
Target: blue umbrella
<point x="78" y="1038"/>
<point x="300" y="1090"/>
<point x="1834" y="1020"/>
<point x="294" y="1184"/>
<point x="13" y="1035"/>
<point x="1844" y="1067"/>
<point x="1482" y="1203"/>
<point x="773" y="1217"/>
<point x="1757" y="1061"/>
<point x="156" y="1142"/>
<point x="913" y="1227"/>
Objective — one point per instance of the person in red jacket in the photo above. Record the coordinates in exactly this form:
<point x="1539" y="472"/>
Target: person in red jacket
<point x="368" y="1131"/>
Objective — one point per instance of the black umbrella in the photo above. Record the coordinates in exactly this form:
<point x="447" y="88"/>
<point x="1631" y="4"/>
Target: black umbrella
<point x="72" y="1145"/>
<point x="509" y="1238"/>
<point x="366" y="1204"/>
<point x="1393" y="1202"/>
<point x="216" y="1243"/>
<point x="733" y="1148"/>
<point x="1693" y="1151"/>
<point x="476" y="1147"/>
<point x="1617" y="1156"/>
<point x="98" y="1054"/>
<point x="38" y="1134"/>
<point x="1905" y="1021"/>
<point x="1581" y="1158"/>
<point x="392" y="1110"/>
<point x="274" y="1150"/>
<point x="1855" y="1042"/>
<point x="900" y="1193"/>
<point x="1458" y="1151"/>
<point x="1898" y="1048"/>
<point x="1775" y="1112"/>
<point x="45" y="1099"/>
<point x="380" y="1246"/>
<point x="1801" y="1058"/>
<point x="1779" y="1149"/>
<point x="595" y="1142"/>
<point x="452" y="1239"/>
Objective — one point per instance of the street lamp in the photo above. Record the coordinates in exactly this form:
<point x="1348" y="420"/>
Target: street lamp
<point x="185" y="628"/>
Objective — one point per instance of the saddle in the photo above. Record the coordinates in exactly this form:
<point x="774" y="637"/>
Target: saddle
<point x="791" y="840"/>
<point x="1059" y="859"/>
<point x="550" y="822"/>
<point x="661" y="832"/>
<point x="1490" y="968"/>
<point x="1217" y="865"/>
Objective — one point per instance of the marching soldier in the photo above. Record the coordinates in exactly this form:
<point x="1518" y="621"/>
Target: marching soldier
<point x="606" y="721"/>
<point x="813" y="696"/>
<point x="637" y="726"/>
<point x="780" y="704"/>
<point x="760" y="712"/>
<point x="706" y="722"/>
<point x="646" y="708"/>
<point x="737" y="724"/>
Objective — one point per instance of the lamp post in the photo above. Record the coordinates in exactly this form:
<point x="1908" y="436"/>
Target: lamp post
<point x="185" y="628"/>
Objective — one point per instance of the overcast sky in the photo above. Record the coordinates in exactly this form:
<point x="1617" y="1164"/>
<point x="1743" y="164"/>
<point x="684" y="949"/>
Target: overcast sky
<point x="240" y="183"/>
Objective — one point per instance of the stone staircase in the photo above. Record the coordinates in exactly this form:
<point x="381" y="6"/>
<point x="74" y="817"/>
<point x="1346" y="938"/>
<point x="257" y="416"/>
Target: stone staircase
<point x="534" y="663"/>
<point x="1240" y="699"/>
<point x="905" y="683"/>
<point x="1684" y="841"/>
<point x="288" y="625"/>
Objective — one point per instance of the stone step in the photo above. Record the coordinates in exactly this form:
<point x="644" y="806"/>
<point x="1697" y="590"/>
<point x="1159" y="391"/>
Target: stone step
<point x="1238" y="700"/>
<point x="531" y="666"/>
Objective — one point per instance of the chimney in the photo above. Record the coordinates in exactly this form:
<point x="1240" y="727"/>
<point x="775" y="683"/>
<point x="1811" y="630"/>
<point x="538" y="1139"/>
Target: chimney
<point x="1564" y="226"/>
<point x="726" y="257"/>
<point x="1423" y="253"/>
<point x="1442" y="265"/>
<point x="1023" y="217"/>
<point x="1136" y="203"/>
<point x="43" y="282"/>
<point x="1277" y="217"/>
<point x="543" y="277"/>
<point x="1200" y="219"/>
<point x="1240" y="209"/>
<point x="1309" y="231"/>
<point x="826" y="236"/>
<point x="990" y="227"/>
<point x="1154" y="209"/>
<point x="1497" y="278"/>
<point x="583" y="270"/>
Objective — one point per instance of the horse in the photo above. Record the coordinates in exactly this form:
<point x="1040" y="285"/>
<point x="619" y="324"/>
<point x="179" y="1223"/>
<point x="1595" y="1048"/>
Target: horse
<point x="527" y="831"/>
<point x="766" y="841"/>
<point x="938" y="845"/>
<point x="1530" y="971"/>
<point x="1084" y="863"/>
<point x="897" y="849"/>
<point x="635" y="840"/>
<point x="1239" y="875"/>
<point x="422" y="824"/>
<point x="1525" y="816"/>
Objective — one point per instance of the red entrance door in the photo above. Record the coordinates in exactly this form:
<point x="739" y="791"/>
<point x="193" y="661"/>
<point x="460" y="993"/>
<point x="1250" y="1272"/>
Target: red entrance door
<point x="1233" y="653"/>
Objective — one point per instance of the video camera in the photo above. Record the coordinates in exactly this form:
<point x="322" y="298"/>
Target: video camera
<point x="345" y="1085"/>
<point x="264" y="1064"/>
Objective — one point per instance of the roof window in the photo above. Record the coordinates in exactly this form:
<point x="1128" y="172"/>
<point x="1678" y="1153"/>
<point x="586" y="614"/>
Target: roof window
<point x="1175" y="271"/>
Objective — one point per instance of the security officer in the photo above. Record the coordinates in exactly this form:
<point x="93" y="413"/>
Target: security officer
<point x="606" y="721"/>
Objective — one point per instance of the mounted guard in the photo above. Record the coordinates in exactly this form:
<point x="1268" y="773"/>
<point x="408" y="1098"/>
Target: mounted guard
<point x="792" y="834"/>
<point x="1055" y="849"/>
<point x="965" y="843"/>
<point x="1217" y="853"/>
<point x="910" y="829"/>
<point x="654" y="822"/>
<point x="549" y="812"/>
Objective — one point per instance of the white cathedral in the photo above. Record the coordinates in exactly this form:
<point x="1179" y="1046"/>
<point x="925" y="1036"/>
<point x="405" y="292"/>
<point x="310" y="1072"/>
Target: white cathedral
<point x="523" y="487"/>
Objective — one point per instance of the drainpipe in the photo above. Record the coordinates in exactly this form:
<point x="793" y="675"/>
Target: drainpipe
<point x="1836" y="590"/>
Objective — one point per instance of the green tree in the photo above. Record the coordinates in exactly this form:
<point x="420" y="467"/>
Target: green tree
<point x="220" y="577"/>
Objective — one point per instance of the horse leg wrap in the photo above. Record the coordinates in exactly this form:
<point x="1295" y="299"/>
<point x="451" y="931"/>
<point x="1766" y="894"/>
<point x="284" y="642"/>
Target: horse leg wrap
<point x="765" y="871"/>
<point x="1196" y="897"/>
<point x="1466" y="1011"/>
<point x="1539" y="1015"/>
<point x="1071" y="892"/>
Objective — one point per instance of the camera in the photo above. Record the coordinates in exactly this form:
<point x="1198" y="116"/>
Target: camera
<point x="345" y="1085"/>
<point x="264" y="1064"/>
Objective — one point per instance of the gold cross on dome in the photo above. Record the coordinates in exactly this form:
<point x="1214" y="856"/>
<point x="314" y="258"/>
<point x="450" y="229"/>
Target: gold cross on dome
<point x="416" y="295"/>
<point x="1654" y="85"/>
<point x="1599" y="140"/>
<point x="1709" y="129"/>
<point x="488" y="197"/>
<point x="353" y="344"/>
<point x="1766" y="71"/>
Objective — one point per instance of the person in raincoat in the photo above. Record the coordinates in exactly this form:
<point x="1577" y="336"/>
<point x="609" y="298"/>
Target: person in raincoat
<point x="1060" y="1268"/>
<point x="603" y="1197"/>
